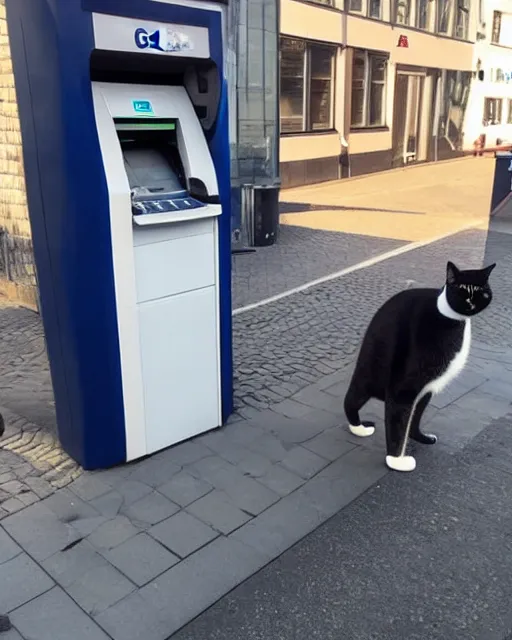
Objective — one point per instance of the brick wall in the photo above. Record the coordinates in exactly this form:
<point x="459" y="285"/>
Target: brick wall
<point x="17" y="272"/>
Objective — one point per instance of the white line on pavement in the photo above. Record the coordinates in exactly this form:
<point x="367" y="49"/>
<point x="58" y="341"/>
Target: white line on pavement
<point x="356" y="267"/>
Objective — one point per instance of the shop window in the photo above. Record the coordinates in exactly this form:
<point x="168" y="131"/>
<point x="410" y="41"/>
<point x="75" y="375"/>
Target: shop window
<point x="424" y="10"/>
<point x="292" y="84"/>
<point x="493" y="111"/>
<point x="456" y="85"/>
<point x="402" y="11"/>
<point x="320" y="87"/>
<point x="444" y="10"/>
<point x="462" y="20"/>
<point x="496" y="27"/>
<point x="306" y="100"/>
<point x="369" y="74"/>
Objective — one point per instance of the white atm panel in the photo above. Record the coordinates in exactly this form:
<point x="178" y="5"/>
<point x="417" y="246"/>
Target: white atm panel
<point x="179" y="345"/>
<point x="160" y="233"/>
<point x="166" y="257"/>
<point x="167" y="268"/>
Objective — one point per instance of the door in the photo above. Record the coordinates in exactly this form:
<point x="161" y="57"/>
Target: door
<point x="406" y="117"/>
<point x="399" y="118"/>
<point x="412" y="119"/>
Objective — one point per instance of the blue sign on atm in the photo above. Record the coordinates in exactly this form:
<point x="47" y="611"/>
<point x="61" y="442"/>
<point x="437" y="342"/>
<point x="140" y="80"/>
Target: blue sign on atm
<point x="143" y="106"/>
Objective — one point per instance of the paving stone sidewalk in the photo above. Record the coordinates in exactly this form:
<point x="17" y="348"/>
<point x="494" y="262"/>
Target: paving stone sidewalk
<point x="422" y="556"/>
<point x="30" y="453"/>
<point x="279" y="349"/>
<point x="138" y="551"/>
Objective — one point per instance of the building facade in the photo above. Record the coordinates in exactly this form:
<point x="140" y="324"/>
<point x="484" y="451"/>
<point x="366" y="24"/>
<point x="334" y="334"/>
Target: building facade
<point x="368" y="85"/>
<point x="17" y="271"/>
<point x="490" y="104"/>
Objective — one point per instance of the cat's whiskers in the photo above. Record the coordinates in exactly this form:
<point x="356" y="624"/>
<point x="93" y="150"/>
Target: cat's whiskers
<point x="443" y="306"/>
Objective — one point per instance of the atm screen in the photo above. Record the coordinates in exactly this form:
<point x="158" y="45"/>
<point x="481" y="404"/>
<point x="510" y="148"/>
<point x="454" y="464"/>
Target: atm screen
<point x="151" y="154"/>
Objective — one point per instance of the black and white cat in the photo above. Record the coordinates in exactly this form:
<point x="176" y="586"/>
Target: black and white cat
<point x="415" y="345"/>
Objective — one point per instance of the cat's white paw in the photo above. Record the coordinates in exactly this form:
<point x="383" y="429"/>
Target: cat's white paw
<point x="361" y="431"/>
<point x="401" y="463"/>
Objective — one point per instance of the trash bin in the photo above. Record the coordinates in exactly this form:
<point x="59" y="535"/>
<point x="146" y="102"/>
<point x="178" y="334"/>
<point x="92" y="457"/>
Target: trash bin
<point x="260" y="214"/>
<point x="502" y="185"/>
<point x="266" y="215"/>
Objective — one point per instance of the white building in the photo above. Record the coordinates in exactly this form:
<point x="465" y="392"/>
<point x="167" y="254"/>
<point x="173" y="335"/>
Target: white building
<point x="489" y="111"/>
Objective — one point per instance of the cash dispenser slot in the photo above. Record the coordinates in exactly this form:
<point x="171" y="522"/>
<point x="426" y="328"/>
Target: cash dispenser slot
<point x="161" y="192"/>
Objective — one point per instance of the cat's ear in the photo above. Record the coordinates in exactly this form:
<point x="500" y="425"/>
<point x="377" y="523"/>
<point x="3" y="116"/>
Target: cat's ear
<point x="488" y="270"/>
<point x="451" y="273"/>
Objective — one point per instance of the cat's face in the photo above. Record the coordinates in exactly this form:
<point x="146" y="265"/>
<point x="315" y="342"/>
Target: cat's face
<point x="468" y="292"/>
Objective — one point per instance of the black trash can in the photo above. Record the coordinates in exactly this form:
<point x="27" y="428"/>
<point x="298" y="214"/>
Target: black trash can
<point x="265" y="215"/>
<point x="502" y="179"/>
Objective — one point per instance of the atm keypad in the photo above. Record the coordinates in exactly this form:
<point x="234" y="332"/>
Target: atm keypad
<point x="146" y="207"/>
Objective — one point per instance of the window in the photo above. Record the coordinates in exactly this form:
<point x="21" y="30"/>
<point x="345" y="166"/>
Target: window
<point x="444" y="8"/>
<point x="320" y="87"/>
<point x="292" y="84"/>
<point x="368" y="89"/>
<point x="462" y="20"/>
<point x="423" y="14"/>
<point x="455" y="94"/>
<point x="375" y="9"/>
<point x="403" y="11"/>
<point x="496" y="27"/>
<point x="306" y="86"/>
<point x="355" y="5"/>
<point x="509" y="120"/>
<point x="492" y="111"/>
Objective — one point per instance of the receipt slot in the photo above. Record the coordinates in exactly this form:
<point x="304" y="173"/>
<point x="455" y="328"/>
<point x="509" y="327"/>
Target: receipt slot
<point x="125" y="137"/>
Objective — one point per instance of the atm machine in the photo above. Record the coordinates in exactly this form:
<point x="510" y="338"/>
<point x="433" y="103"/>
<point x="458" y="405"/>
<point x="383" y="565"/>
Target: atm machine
<point x="125" y="136"/>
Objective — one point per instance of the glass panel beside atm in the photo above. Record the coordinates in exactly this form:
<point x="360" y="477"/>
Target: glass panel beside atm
<point x="157" y="179"/>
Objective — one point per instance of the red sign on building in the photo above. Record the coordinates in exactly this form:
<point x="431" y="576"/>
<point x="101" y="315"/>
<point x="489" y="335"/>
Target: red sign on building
<point x="403" y="41"/>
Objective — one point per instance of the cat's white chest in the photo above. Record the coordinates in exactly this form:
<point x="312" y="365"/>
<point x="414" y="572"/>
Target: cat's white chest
<point x="456" y="365"/>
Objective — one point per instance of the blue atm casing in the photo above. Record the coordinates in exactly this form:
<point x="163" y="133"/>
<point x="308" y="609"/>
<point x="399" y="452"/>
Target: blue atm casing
<point x="51" y="43"/>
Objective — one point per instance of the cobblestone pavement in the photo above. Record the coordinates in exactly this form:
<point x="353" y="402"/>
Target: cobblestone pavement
<point x="300" y="256"/>
<point x="138" y="551"/>
<point x="30" y="453"/>
<point x="286" y="345"/>
<point x="32" y="463"/>
<point x="24" y="373"/>
<point x="279" y="349"/>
